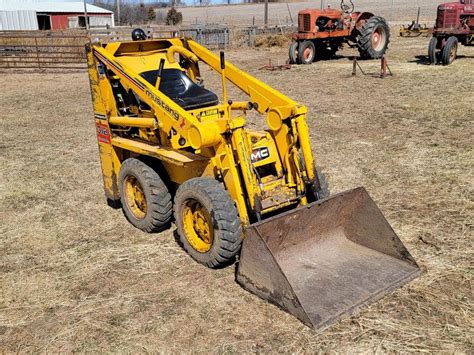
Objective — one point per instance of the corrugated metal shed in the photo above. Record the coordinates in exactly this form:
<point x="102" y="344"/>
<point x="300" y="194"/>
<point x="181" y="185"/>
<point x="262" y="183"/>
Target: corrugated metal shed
<point x="51" y="7"/>
<point x="45" y="15"/>
<point x="14" y="20"/>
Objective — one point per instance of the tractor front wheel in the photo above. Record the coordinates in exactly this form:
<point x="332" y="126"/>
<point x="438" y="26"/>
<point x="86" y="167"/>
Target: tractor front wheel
<point x="432" y="50"/>
<point x="306" y="52"/>
<point x="293" y="52"/>
<point x="208" y="225"/>
<point x="450" y="50"/>
<point x="146" y="200"/>
<point x="373" y="38"/>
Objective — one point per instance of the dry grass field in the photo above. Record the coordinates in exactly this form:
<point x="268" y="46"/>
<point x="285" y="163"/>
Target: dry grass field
<point x="76" y="276"/>
<point x="244" y="14"/>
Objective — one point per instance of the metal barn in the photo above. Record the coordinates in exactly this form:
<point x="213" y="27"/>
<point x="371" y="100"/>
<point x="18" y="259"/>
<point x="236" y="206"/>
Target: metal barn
<point x="32" y="15"/>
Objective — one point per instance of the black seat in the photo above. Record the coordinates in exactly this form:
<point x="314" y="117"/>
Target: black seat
<point x="181" y="89"/>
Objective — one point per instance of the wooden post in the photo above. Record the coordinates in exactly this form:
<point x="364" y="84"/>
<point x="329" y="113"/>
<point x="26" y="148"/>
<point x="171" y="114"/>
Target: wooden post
<point x="265" y="17"/>
<point x="354" y="66"/>
<point x="37" y="54"/>
<point x="289" y="12"/>
<point x="117" y="4"/>
<point x="85" y="15"/>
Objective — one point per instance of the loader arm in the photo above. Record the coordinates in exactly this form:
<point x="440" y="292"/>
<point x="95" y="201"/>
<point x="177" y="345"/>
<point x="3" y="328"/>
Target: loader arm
<point x="279" y="108"/>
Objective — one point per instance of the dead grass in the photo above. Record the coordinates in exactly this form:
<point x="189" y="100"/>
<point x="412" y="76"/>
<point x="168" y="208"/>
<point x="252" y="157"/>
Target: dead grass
<point x="279" y="12"/>
<point x="267" y="41"/>
<point x="75" y="276"/>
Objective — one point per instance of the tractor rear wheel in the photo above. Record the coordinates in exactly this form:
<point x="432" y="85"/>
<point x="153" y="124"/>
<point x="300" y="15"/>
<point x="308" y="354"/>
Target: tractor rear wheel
<point x="432" y="50"/>
<point x="293" y="52"/>
<point x="146" y="200"/>
<point x="373" y="38"/>
<point x="208" y="225"/>
<point x="306" y="52"/>
<point x="450" y="50"/>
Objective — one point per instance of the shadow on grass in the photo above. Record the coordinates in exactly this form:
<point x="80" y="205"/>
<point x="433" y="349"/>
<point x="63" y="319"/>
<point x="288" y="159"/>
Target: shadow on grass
<point x="423" y="59"/>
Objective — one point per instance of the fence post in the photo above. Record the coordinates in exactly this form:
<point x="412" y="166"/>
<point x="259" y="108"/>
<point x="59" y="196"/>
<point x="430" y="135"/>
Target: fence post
<point x="37" y="54"/>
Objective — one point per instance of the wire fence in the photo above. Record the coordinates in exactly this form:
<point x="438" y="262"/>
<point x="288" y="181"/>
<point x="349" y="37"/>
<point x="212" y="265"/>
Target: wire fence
<point x="42" y="50"/>
<point x="53" y="50"/>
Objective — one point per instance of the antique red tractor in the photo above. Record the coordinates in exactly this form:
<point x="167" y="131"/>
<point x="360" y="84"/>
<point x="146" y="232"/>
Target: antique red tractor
<point x="454" y="25"/>
<point x="321" y="33"/>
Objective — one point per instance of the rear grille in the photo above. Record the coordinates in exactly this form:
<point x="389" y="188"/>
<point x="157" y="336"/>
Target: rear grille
<point x="307" y="22"/>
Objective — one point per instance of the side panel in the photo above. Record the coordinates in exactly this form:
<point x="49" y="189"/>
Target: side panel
<point x="109" y="161"/>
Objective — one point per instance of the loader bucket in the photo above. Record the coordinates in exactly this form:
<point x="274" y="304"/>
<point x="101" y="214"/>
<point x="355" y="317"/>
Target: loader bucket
<point x="325" y="260"/>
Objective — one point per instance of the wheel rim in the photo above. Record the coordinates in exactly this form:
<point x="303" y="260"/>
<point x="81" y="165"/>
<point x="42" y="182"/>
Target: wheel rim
<point x="378" y="39"/>
<point x="307" y="54"/>
<point x="452" y="53"/>
<point x="135" y="197"/>
<point x="197" y="225"/>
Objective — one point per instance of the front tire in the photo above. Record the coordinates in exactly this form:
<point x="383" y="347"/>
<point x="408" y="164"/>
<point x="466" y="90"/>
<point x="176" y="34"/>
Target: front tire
<point x="306" y="52"/>
<point x="146" y="200"/>
<point x="207" y="221"/>
<point x="450" y="50"/>
<point x="318" y="189"/>
<point x="293" y="52"/>
<point x="373" y="38"/>
<point x="432" y="50"/>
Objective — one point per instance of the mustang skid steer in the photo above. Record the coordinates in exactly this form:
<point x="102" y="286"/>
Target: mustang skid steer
<point x="170" y="150"/>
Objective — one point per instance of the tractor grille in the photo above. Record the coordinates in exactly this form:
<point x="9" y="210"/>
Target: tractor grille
<point x="307" y="22"/>
<point x="447" y="18"/>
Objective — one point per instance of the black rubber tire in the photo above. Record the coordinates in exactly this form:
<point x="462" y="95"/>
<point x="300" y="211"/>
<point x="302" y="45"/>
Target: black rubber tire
<point x="301" y="49"/>
<point x="225" y="220"/>
<point x="157" y="195"/>
<point x="318" y="189"/>
<point x="451" y="44"/>
<point x="323" y="186"/>
<point x="432" y="57"/>
<point x="293" y="52"/>
<point x="364" y="39"/>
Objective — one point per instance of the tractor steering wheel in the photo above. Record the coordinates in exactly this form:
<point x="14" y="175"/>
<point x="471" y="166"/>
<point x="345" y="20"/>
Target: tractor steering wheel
<point x="347" y="8"/>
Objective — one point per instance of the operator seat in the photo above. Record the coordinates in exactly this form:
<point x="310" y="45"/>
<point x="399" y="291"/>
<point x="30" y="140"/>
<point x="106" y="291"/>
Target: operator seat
<point x="181" y="89"/>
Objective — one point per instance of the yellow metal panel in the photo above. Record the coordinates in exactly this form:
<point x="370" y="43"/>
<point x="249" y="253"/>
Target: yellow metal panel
<point x="166" y="154"/>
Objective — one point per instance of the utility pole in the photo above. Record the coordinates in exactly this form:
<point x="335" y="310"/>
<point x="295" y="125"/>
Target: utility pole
<point x="117" y="6"/>
<point x="265" y="17"/>
<point x="85" y="15"/>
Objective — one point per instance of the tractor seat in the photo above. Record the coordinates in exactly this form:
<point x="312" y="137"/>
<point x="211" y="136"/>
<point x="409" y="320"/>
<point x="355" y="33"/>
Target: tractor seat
<point x="181" y="89"/>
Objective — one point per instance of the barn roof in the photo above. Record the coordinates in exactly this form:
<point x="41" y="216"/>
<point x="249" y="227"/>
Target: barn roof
<point x="53" y="7"/>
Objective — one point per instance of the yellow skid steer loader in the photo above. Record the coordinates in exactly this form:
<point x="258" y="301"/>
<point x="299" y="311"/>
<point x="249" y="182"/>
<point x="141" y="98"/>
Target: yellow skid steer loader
<point x="170" y="150"/>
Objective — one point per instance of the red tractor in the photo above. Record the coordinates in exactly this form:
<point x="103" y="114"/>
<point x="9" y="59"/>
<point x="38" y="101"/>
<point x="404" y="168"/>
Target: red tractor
<point x="454" y="25"/>
<point x="321" y="33"/>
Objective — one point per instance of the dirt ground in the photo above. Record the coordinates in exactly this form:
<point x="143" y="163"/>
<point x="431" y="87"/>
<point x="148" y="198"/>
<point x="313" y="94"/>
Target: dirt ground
<point x="279" y="13"/>
<point x="76" y="276"/>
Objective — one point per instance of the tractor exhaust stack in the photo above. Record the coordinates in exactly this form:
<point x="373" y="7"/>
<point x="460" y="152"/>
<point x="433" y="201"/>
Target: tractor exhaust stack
<point x="325" y="260"/>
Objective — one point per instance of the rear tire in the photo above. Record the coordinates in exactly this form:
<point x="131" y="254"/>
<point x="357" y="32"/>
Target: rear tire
<point x="318" y="189"/>
<point x="450" y="50"/>
<point x="323" y="187"/>
<point x="306" y="52"/>
<point x="373" y="38"/>
<point x="432" y="50"/>
<point x="208" y="224"/>
<point x="146" y="200"/>
<point x="293" y="52"/>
